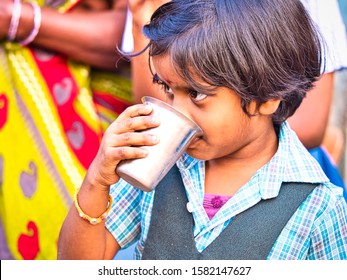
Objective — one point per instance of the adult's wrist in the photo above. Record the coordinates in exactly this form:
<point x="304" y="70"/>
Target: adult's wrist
<point x="5" y="18"/>
<point x="37" y="18"/>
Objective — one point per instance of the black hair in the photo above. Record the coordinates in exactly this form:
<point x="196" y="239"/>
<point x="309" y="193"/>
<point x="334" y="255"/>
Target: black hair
<point x="262" y="49"/>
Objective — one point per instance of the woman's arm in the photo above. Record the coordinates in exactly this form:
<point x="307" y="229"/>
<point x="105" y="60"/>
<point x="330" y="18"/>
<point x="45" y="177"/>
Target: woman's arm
<point x="142" y="80"/>
<point x="89" y="33"/>
<point x="311" y="118"/>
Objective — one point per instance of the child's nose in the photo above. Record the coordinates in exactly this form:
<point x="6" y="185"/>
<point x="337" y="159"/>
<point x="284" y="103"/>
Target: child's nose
<point x="181" y="105"/>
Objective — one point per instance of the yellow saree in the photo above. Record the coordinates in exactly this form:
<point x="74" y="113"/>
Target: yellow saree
<point x="53" y="112"/>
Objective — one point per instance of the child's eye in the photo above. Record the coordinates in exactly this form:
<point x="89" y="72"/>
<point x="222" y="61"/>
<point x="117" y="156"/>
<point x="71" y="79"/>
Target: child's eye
<point x="197" y="96"/>
<point x="163" y="85"/>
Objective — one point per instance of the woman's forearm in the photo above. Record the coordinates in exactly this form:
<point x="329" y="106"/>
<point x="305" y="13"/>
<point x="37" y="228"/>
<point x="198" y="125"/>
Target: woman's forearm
<point x="84" y="35"/>
<point x="311" y="118"/>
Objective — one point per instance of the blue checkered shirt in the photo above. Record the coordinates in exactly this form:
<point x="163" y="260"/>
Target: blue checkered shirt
<point x="317" y="230"/>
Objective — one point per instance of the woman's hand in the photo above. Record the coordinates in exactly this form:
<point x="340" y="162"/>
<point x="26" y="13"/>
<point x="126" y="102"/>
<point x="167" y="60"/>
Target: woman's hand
<point x="122" y="140"/>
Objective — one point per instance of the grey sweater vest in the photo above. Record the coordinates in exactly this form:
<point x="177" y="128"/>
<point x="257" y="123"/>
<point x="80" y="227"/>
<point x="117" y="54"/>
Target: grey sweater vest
<point x="249" y="236"/>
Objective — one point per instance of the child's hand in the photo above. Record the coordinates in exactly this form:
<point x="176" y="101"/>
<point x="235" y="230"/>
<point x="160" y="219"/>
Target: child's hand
<point x="122" y="140"/>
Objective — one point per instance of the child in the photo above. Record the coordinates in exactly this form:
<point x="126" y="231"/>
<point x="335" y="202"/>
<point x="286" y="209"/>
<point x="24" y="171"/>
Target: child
<point x="239" y="69"/>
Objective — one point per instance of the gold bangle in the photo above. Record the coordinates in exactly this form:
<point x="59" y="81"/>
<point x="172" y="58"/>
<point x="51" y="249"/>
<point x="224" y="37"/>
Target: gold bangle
<point x="93" y="221"/>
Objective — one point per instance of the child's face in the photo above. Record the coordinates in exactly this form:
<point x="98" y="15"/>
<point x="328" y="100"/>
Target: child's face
<point x="228" y="130"/>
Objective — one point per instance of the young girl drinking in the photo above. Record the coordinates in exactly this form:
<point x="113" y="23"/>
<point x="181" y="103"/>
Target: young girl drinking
<point x="246" y="189"/>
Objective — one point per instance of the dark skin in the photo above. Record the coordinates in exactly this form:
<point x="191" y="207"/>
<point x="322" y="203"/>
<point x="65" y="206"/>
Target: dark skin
<point x="89" y="33"/>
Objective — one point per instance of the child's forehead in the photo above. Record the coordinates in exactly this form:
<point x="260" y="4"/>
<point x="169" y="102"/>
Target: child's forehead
<point x="173" y="82"/>
<point x="165" y="71"/>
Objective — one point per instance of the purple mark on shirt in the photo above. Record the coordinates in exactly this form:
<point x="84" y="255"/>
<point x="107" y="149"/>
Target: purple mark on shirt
<point x="212" y="203"/>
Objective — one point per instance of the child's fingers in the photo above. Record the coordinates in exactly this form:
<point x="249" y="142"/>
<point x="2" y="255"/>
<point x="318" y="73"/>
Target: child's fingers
<point x="136" y="139"/>
<point x="122" y="153"/>
<point x="124" y="137"/>
<point x="130" y="139"/>
<point x="135" y="124"/>
<point x="134" y="111"/>
<point x="134" y="118"/>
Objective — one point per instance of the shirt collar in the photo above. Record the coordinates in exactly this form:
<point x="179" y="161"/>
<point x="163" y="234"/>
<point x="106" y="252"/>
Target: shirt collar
<point x="291" y="163"/>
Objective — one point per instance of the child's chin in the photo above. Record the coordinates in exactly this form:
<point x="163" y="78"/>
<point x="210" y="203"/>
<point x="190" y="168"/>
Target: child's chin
<point x="196" y="153"/>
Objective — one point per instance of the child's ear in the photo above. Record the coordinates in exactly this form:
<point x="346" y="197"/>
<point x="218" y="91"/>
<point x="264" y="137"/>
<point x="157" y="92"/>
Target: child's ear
<point x="269" y="107"/>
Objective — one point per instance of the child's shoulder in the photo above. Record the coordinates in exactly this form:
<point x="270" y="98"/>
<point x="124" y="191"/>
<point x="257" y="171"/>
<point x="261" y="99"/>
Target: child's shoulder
<point x="325" y="201"/>
<point x="330" y="192"/>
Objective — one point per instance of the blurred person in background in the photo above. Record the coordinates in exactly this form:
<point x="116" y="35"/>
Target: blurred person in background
<point x="62" y="82"/>
<point x="311" y="120"/>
